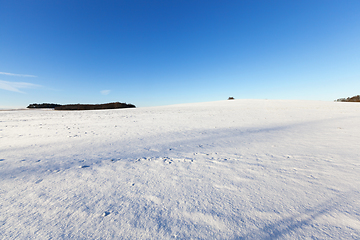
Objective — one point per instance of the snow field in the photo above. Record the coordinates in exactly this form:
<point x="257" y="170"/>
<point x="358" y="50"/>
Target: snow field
<point x="243" y="169"/>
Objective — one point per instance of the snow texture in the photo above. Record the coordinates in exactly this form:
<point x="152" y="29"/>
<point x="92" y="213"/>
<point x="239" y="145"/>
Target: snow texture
<point x="243" y="169"/>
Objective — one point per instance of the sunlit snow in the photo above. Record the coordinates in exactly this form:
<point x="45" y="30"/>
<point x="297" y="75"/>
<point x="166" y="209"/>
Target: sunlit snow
<point x="241" y="169"/>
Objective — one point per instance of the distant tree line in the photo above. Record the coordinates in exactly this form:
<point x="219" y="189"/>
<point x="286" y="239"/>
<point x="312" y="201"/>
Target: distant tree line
<point x="349" y="99"/>
<point x="94" y="106"/>
<point x="112" y="105"/>
<point x="43" y="105"/>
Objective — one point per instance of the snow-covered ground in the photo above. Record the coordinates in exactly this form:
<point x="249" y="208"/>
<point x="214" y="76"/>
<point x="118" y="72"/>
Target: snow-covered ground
<point x="243" y="169"/>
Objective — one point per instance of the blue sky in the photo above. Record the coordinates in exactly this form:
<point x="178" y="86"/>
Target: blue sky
<point x="152" y="53"/>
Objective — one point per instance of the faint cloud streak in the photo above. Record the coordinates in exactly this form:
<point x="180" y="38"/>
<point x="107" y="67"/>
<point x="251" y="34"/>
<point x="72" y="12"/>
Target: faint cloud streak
<point x="105" y="92"/>
<point x="17" y="75"/>
<point x="16" y="86"/>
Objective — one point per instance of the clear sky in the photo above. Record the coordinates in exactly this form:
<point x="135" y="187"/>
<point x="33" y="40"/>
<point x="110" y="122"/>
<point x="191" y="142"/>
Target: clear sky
<point x="154" y="52"/>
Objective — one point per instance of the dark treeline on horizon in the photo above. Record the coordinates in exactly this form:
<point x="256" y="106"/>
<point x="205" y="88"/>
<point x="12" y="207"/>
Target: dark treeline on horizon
<point x="43" y="105"/>
<point x="349" y="99"/>
<point x="112" y="105"/>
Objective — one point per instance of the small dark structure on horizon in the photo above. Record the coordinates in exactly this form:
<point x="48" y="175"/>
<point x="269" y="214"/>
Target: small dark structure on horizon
<point x="231" y="98"/>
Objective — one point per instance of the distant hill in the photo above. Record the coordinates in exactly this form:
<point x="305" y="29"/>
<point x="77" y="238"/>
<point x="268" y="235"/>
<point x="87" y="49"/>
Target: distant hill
<point x="349" y="99"/>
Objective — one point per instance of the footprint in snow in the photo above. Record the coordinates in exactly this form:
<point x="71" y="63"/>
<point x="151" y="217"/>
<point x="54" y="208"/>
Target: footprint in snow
<point x="84" y="166"/>
<point x="168" y="160"/>
<point x="38" y="181"/>
<point x="106" y="213"/>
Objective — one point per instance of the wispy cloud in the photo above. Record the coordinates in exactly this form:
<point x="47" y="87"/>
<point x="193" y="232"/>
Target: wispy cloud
<point x="16" y="75"/>
<point x="16" y="86"/>
<point x="105" y="92"/>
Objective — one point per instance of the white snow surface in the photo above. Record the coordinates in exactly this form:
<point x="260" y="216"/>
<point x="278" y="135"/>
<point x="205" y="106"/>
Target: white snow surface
<point x="242" y="169"/>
